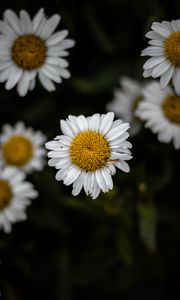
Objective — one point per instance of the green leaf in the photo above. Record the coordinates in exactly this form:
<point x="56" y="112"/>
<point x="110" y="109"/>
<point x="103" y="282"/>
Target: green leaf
<point x="147" y="225"/>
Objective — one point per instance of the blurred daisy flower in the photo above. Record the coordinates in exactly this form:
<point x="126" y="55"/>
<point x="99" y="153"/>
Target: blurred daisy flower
<point x="15" y="196"/>
<point x="164" y="50"/>
<point x="88" y="152"/>
<point x="22" y="147"/>
<point x="125" y="102"/>
<point x="28" y="48"/>
<point x="161" y="111"/>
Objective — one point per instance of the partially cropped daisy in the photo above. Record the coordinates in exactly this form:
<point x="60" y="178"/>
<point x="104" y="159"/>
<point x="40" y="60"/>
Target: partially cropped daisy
<point x="15" y="196"/>
<point x="164" y="50"/>
<point x="88" y="152"/>
<point x="29" y="48"/>
<point x="161" y="111"/>
<point x="125" y="102"/>
<point x="22" y="147"/>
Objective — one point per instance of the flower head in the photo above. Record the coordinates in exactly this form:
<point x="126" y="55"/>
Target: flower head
<point x="164" y="50"/>
<point x="161" y="111"/>
<point x="21" y="147"/>
<point x="125" y="102"/>
<point x="88" y="152"/>
<point x="28" y="48"/>
<point x="15" y="196"/>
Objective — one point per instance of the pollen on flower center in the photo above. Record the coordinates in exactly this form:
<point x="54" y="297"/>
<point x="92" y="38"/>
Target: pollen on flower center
<point x="89" y="151"/>
<point x="171" y="108"/>
<point x="5" y="194"/>
<point x="172" y="48"/>
<point x="17" y="151"/>
<point x="29" y="52"/>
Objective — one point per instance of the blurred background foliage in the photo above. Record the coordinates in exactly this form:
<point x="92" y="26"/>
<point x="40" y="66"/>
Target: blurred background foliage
<point x="125" y="244"/>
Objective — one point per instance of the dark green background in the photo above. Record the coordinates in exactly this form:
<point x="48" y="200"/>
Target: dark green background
<point x="125" y="244"/>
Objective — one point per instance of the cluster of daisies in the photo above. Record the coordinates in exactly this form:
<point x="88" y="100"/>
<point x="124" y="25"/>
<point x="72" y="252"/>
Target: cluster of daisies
<point x="21" y="152"/>
<point x="156" y="102"/>
<point x="90" y="149"/>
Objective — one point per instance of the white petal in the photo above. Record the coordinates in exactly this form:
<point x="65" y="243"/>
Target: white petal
<point x="57" y="37"/>
<point x="153" y="61"/>
<point x="66" y="140"/>
<point x="160" y="29"/>
<point x="161" y="68"/>
<point x="122" y="165"/>
<point x="106" y="123"/>
<point x="166" y="77"/>
<point x="78" y="184"/>
<point x="7" y="31"/>
<point x="4" y="75"/>
<point x="100" y="181"/>
<point x="46" y="82"/>
<point x="147" y="73"/>
<point x="117" y="131"/>
<point x="23" y="85"/>
<point x="5" y="64"/>
<point x="66" y="129"/>
<point x="154" y="35"/>
<point x="94" y="122"/>
<point x="57" y="61"/>
<point x="37" y="19"/>
<point x="26" y="25"/>
<point x="13" y="79"/>
<point x="158" y="43"/>
<point x="32" y="84"/>
<point x="176" y="80"/>
<point x="64" y="73"/>
<point x="153" y="51"/>
<point x="107" y="178"/>
<point x="53" y="145"/>
<point x="65" y="44"/>
<point x="82" y="123"/>
<point x="61" y="153"/>
<point x="72" y="175"/>
<point x="50" y="26"/>
<point x="175" y="25"/>
<point x="13" y="21"/>
<point x="120" y="156"/>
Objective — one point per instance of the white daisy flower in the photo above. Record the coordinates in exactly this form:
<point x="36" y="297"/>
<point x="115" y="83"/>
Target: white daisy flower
<point x="22" y="147"/>
<point x="15" y="196"/>
<point x="28" y="48"/>
<point x="164" y="50"/>
<point x="161" y="111"/>
<point x="88" y="152"/>
<point x="125" y="102"/>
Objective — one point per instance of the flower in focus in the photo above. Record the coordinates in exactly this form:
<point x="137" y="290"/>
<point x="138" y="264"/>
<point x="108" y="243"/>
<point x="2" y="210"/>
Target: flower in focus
<point x="21" y="147"/>
<point x="28" y="48"/>
<point x="88" y="152"/>
<point x="161" y="111"/>
<point x="164" y="50"/>
<point x="15" y="196"/>
<point x="125" y="102"/>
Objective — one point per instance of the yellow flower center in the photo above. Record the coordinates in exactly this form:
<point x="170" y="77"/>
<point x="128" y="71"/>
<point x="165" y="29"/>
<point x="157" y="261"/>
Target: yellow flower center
<point x="17" y="151"/>
<point x="29" y="52"/>
<point x="89" y="151"/>
<point x="171" y="108"/>
<point x="172" y="48"/>
<point x="5" y="194"/>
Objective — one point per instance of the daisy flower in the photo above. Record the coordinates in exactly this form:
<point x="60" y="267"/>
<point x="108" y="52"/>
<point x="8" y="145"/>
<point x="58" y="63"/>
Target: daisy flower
<point x="125" y="102"/>
<point x="29" y="48"/>
<point x="88" y="152"/>
<point x="15" y="196"/>
<point x="161" y="111"/>
<point x="21" y="147"/>
<point x="164" y="50"/>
